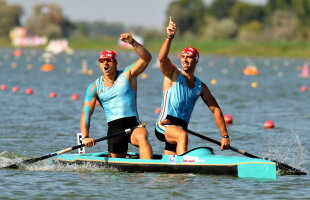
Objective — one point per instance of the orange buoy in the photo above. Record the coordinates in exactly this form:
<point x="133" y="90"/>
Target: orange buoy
<point x="268" y="124"/>
<point x="53" y="95"/>
<point x="250" y="70"/>
<point x="47" y="68"/>
<point x="17" y="53"/>
<point x="15" y="89"/>
<point x="3" y="87"/>
<point x="75" y="97"/>
<point x="228" y="119"/>
<point x="29" y="91"/>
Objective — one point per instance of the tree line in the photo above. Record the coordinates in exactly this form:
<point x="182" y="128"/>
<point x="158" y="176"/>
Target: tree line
<point x="222" y="19"/>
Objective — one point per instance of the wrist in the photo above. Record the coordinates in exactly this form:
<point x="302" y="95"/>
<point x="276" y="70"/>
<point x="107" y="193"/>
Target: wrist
<point x="132" y="42"/>
<point x="170" y="37"/>
<point x="84" y="138"/>
<point x="225" y="136"/>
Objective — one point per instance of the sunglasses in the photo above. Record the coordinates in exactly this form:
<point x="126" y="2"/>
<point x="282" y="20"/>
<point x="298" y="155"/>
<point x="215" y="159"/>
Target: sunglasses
<point x="102" y="60"/>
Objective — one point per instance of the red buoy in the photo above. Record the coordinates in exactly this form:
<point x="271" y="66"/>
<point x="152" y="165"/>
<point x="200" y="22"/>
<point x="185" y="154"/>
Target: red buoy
<point x="3" y="87"/>
<point x="15" y="89"/>
<point x="157" y="110"/>
<point x="268" y="124"/>
<point x="75" y="97"/>
<point x="29" y="91"/>
<point x="303" y="88"/>
<point x="228" y="119"/>
<point x="53" y="95"/>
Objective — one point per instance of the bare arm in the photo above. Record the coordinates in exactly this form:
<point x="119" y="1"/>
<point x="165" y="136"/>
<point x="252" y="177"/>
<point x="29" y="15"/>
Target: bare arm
<point x="88" y="109"/>
<point x="167" y="68"/>
<point x="212" y="104"/>
<point x="145" y="56"/>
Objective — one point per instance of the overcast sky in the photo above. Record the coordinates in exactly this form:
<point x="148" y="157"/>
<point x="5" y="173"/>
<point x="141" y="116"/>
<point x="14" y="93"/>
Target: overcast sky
<point x="147" y="13"/>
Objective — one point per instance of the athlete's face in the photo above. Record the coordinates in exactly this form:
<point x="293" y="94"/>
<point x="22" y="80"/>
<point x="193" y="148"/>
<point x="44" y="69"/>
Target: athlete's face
<point x="108" y="66"/>
<point x="188" y="62"/>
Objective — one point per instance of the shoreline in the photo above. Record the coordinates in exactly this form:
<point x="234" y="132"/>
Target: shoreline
<point x="267" y="49"/>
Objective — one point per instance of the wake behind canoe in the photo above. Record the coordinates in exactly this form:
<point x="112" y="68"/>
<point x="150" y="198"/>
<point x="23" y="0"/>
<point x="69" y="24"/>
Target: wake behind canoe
<point x="200" y="160"/>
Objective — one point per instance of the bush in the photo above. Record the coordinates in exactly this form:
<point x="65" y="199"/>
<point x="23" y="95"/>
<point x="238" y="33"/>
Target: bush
<point x="220" y="29"/>
<point x="251" y="31"/>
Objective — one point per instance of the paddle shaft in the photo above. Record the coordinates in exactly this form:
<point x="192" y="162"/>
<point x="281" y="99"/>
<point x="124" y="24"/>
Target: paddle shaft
<point x="33" y="160"/>
<point x="279" y="164"/>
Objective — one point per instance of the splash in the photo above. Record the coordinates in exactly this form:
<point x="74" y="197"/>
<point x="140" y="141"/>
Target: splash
<point x="288" y="150"/>
<point x="50" y="165"/>
<point x="7" y="159"/>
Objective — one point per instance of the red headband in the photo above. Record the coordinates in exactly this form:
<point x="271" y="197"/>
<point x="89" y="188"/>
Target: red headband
<point x="107" y="54"/>
<point x="191" y="51"/>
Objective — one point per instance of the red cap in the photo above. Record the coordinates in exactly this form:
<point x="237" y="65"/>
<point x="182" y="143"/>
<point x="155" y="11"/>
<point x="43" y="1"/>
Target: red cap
<point x="191" y="51"/>
<point x="107" y="54"/>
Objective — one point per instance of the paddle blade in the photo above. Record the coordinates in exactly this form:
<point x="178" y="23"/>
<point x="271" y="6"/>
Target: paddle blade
<point x="29" y="161"/>
<point x="13" y="166"/>
<point x="284" y="169"/>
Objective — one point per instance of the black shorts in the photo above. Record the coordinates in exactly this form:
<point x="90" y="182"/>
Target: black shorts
<point x="119" y="144"/>
<point x="174" y="121"/>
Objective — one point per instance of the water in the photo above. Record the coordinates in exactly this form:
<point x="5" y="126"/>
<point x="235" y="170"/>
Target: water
<point x="35" y="125"/>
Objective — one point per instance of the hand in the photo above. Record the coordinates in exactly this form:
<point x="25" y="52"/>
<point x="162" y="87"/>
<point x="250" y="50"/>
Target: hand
<point x="225" y="143"/>
<point x="171" y="28"/>
<point x="126" y="37"/>
<point x="89" y="142"/>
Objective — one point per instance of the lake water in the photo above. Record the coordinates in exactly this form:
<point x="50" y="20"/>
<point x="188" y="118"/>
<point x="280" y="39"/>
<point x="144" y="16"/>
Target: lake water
<point x="35" y="125"/>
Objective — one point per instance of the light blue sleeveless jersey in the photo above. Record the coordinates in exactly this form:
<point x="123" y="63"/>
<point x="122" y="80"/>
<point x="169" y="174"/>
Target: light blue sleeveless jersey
<point x="179" y="100"/>
<point x="118" y="101"/>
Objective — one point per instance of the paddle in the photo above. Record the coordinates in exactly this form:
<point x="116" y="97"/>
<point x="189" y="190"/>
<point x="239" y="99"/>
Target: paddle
<point x="33" y="160"/>
<point x="280" y="165"/>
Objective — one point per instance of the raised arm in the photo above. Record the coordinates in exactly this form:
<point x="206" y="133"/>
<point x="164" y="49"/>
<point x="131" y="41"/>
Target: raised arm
<point x="211" y="102"/>
<point x="88" y="109"/>
<point x="145" y="56"/>
<point x="166" y="66"/>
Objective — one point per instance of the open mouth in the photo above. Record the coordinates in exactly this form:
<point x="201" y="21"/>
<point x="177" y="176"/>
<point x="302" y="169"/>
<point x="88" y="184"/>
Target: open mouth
<point x="106" y="68"/>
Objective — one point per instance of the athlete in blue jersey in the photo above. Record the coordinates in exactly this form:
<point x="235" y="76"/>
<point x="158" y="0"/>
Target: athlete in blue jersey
<point x="116" y="91"/>
<point x="181" y="89"/>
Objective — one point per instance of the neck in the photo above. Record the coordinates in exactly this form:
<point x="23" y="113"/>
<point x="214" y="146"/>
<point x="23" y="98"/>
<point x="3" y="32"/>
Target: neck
<point x="189" y="75"/>
<point x="109" y="78"/>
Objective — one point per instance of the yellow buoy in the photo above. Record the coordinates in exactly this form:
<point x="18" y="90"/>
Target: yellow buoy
<point x="254" y="84"/>
<point x="213" y="81"/>
<point x="144" y="76"/>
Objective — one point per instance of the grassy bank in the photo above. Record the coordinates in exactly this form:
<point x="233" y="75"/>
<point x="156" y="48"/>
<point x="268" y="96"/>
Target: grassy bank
<point x="280" y="49"/>
<point x="292" y="49"/>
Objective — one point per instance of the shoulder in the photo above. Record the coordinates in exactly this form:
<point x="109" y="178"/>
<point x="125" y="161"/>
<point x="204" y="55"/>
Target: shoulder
<point x="128" y="68"/>
<point x="92" y="86"/>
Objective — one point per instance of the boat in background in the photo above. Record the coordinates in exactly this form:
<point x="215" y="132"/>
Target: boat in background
<point x="199" y="160"/>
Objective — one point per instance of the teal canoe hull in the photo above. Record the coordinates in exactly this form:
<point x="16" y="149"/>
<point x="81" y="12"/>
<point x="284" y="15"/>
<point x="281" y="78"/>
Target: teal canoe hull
<point x="200" y="160"/>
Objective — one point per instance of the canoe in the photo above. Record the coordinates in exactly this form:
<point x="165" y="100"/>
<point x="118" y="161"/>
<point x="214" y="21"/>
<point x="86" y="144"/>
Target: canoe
<point x="199" y="160"/>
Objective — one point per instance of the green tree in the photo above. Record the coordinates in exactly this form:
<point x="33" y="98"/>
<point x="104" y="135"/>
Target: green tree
<point x="221" y="9"/>
<point x="284" y="25"/>
<point x="9" y="17"/>
<point x="300" y="7"/>
<point x="187" y="14"/>
<point x="48" y="20"/>
<point x="251" y="31"/>
<point x="244" y="13"/>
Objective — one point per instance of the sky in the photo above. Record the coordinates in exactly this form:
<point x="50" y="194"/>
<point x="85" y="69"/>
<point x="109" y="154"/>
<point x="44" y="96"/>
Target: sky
<point x="146" y="13"/>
